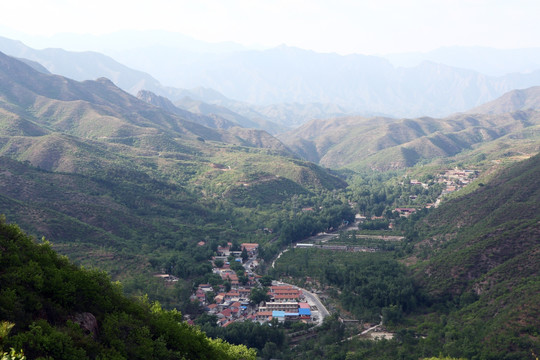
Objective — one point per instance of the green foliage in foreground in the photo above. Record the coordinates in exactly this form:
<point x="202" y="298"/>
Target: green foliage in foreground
<point x="43" y="294"/>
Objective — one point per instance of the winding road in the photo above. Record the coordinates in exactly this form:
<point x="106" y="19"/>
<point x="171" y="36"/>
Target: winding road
<point x="314" y="299"/>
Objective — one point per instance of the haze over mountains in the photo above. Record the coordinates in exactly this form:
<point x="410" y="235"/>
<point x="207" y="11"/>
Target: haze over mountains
<point x="488" y="61"/>
<point x="290" y="86"/>
<point x="356" y="83"/>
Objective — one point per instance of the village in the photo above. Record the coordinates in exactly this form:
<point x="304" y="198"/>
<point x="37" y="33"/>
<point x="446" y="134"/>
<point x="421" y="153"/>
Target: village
<point x="246" y="296"/>
<point x="452" y="180"/>
<point x="242" y="298"/>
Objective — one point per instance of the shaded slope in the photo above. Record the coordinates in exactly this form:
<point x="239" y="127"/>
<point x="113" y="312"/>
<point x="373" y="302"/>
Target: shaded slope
<point x="483" y="256"/>
<point x="486" y="229"/>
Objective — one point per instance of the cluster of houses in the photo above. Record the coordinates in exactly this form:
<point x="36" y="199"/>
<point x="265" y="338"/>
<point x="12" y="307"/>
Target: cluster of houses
<point x="452" y="179"/>
<point x="285" y="302"/>
<point x="405" y="211"/>
<point x="456" y="179"/>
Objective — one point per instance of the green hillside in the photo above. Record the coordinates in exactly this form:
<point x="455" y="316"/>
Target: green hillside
<point x="483" y="251"/>
<point x="121" y="184"/>
<point x="60" y="311"/>
<point x="477" y="233"/>
<point x="383" y="143"/>
<point x="464" y="283"/>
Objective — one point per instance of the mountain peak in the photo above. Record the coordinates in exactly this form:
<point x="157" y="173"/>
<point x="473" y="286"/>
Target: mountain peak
<point x="515" y="100"/>
<point x="105" y="81"/>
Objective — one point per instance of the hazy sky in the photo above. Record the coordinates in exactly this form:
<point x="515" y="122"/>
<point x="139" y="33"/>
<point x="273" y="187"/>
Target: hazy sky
<point x="342" y="26"/>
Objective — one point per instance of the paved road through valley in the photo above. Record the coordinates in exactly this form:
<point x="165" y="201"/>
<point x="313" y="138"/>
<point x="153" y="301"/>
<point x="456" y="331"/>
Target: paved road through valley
<point x="313" y="298"/>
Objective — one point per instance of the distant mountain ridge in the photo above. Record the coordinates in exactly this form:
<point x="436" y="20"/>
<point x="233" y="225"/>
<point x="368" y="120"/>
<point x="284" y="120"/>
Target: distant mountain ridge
<point x="291" y="86"/>
<point x="488" y="61"/>
<point x="516" y="100"/>
<point x="357" y="83"/>
<point x="386" y="143"/>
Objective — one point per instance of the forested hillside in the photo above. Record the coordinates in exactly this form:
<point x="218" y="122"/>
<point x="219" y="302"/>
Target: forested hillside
<point x="59" y="311"/>
<point x="476" y="236"/>
<point x="483" y="252"/>
<point x="463" y="283"/>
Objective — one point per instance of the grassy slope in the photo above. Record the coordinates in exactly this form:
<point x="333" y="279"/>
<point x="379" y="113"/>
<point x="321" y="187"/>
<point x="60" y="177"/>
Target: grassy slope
<point x="396" y="143"/>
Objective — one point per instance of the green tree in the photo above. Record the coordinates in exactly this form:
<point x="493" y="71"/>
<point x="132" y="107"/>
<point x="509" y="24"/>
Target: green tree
<point x="219" y="263"/>
<point x="266" y="280"/>
<point x="244" y="255"/>
<point x="259" y="295"/>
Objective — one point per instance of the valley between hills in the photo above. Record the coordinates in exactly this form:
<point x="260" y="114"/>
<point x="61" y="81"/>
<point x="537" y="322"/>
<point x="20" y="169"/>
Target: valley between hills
<point x="151" y="228"/>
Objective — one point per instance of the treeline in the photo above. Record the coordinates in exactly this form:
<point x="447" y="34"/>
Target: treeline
<point x="312" y="222"/>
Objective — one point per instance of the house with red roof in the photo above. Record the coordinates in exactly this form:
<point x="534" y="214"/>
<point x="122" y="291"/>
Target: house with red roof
<point x="263" y="316"/>
<point x="251" y="248"/>
<point x="225" y="313"/>
<point x="224" y="250"/>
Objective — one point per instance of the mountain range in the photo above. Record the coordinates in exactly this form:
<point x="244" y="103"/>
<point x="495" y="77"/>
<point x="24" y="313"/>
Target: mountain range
<point x="508" y="125"/>
<point x="98" y="141"/>
<point x="284" y="85"/>
<point x="487" y="61"/>
<point x="428" y="137"/>
<point x="139" y="184"/>
<point x="357" y="83"/>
